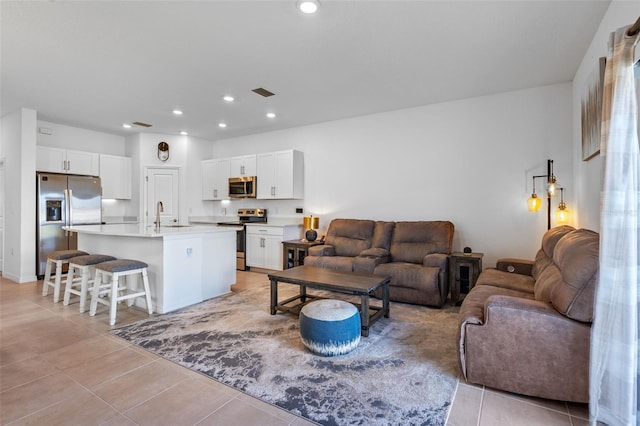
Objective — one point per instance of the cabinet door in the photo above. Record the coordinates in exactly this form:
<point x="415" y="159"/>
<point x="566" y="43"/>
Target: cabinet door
<point x="254" y="251"/>
<point x="50" y="159"/>
<point x="266" y="175"/>
<point x="243" y="166"/>
<point x="283" y="174"/>
<point x="273" y="253"/>
<point x="215" y="179"/>
<point x="83" y="163"/>
<point x="115" y="173"/>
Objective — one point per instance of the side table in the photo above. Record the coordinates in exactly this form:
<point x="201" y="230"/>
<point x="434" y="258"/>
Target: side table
<point x="472" y="263"/>
<point x="294" y="252"/>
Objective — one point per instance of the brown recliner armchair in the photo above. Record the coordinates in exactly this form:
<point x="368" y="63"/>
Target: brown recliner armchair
<point x="525" y="327"/>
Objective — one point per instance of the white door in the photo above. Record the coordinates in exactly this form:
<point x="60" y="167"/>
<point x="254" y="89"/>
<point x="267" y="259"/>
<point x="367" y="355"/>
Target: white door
<point x="163" y="186"/>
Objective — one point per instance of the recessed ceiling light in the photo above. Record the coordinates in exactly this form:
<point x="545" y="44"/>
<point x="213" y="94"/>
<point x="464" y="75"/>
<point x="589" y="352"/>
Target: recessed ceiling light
<point x="126" y="125"/>
<point x="308" y="6"/>
<point x="271" y="115"/>
<point x="183" y="133"/>
<point x="222" y="125"/>
<point x="177" y="112"/>
<point x="228" y="98"/>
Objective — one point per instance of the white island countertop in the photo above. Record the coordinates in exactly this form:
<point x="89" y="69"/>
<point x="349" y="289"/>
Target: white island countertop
<point x="140" y="230"/>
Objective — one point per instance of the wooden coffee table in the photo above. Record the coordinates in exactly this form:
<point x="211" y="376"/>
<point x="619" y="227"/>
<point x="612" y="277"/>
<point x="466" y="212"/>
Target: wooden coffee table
<point x="362" y="285"/>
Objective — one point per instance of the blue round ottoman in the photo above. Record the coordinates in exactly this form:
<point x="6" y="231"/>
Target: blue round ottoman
<point x="330" y="327"/>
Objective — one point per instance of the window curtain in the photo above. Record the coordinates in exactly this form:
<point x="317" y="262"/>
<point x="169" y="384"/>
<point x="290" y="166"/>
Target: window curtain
<point x="613" y="388"/>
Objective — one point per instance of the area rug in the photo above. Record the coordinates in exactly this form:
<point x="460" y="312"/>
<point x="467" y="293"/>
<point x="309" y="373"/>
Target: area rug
<point x="404" y="373"/>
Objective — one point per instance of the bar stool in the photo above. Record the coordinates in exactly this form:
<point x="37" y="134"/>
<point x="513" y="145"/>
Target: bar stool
<point x="79" y="276"/>
<point x="113" y="290"/>
<point x="59" y="258"/>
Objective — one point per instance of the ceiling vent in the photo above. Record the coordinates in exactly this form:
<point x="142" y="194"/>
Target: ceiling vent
<point x="263" y="92"/>
<point x="140" y="123"/>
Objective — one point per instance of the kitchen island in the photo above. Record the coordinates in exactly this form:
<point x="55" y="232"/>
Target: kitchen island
<point x="187" y="264"/>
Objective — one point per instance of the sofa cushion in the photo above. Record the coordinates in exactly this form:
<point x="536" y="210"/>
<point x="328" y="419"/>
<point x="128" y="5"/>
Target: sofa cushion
<point x="349" y="236"/>
<point x="545" y="254"/>
<point x="507" y="280"/>
<point x="569" y="282"/>
<point x="413" y="240"/>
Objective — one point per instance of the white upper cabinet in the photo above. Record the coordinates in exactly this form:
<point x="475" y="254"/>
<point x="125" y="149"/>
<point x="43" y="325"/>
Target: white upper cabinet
<point x="115" y="173"/>
<point x="243" y="166"/>
<point x="280" y="175"/>
<point x="215" y="179"/>
<point x="58" y="160"/>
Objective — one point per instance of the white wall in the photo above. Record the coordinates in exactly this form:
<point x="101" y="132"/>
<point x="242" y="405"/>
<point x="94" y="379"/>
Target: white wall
<point x="68" y="137"/>
<point x="468" y="161"/>
<point x="18" y="138"/>
<point x="588" y="175"/>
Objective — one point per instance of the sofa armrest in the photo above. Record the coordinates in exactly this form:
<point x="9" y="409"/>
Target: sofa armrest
<point x="375" y="252"/>
<point x="526" y="346"/>
<point x="516" y="266"/>
<point x="322" y="250"/>
<point x="436" y="260"/>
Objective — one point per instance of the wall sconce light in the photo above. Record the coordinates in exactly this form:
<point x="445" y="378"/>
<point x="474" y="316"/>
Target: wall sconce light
<point x="534" y="202"/>
<point x="311" y="223"/>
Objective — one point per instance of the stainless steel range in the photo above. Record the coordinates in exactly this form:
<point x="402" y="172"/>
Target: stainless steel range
<point x="252" y="215"/>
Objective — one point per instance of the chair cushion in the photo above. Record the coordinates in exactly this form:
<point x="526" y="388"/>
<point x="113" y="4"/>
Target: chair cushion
<point x="412" y="241"/>
<point x="569" y="282"/>
<point x="90" y="259"/>
<point x="65" y="254"/>
<point x="121" y="265"/>
<point x="350" y="236"/>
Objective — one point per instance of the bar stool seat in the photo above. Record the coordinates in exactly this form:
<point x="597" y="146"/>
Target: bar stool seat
<point x="106" y="283"/>
<point x="58" y="258"/>
<point x="81" y="269"/>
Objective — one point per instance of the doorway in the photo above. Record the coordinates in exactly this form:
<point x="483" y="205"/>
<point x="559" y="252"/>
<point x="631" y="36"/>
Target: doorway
<point x="163" y="185"/>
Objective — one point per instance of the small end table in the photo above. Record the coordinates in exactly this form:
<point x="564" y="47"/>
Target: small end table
<point x="458" y="260"/>
<point x="294" y="252"/>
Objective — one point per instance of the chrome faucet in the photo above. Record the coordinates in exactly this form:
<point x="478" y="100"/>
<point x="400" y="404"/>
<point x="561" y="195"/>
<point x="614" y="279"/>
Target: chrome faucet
<point x="159" y="209"/>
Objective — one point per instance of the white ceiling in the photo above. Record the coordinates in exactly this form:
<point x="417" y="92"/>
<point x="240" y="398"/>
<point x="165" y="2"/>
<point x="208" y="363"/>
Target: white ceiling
<point x="97" y="65"/>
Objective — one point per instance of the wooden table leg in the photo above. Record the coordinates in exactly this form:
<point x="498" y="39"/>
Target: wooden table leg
<point x="385" y="299"/>
<point x="364" y="314"/>
<point x="274" y="296"/>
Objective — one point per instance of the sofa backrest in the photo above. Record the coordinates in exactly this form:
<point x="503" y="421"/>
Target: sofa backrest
<point x="411" y="241"/>
<point x="544" y="257"/>
<point x="350" y="236"/>
<point x="569" y="281"/>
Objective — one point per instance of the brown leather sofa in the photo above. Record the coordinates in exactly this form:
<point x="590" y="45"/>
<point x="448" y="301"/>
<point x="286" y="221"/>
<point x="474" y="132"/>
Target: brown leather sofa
<point x="525" y="327"/>
<point x="414" y="254"/>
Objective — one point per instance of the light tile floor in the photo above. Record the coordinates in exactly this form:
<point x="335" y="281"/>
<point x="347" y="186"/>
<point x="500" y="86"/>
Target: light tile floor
<point x="58" y="366"/>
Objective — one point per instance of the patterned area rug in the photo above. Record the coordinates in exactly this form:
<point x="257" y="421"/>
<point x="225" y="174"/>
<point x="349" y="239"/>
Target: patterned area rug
<point x="405" y="372"/>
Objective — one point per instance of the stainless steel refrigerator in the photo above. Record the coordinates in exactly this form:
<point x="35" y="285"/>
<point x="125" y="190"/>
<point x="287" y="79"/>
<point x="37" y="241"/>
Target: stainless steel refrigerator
<point x="64" y="200"/>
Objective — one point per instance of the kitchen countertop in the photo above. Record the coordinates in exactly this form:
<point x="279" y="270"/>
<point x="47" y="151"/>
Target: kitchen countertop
<point x="140" y="230"/>
<point x="271" y="221"/>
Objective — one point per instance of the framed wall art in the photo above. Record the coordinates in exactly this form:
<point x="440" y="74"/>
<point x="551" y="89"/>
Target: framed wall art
<point x="591" y="111"/>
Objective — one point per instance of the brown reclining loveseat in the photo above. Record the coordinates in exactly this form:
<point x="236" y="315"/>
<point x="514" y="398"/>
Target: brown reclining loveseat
<point x="525" y="327"/>
<point x="413" y="254"/>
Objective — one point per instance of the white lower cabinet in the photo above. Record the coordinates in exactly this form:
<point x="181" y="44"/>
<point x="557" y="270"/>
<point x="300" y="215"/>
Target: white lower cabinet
<point x="264" y="244"/>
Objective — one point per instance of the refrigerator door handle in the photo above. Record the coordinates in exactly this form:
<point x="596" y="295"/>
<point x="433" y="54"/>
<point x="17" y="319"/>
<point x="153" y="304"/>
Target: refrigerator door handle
<point x="70" y="207"/>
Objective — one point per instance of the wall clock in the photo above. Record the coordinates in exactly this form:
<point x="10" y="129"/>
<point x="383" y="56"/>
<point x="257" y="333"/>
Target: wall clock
<point x="163" y="151"/>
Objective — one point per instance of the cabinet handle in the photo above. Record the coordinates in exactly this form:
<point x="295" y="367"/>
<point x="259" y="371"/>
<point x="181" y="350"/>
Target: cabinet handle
<point x="215" y="193"/>
<point x="273" y="191"/>
<point x="241" y="170"/>
<point x="261" y="242"/>
<point x="68" y="165"/>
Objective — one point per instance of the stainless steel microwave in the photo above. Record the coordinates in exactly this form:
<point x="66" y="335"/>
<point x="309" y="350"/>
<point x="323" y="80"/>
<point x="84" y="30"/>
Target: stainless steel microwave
<point x="242" y="187"/>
